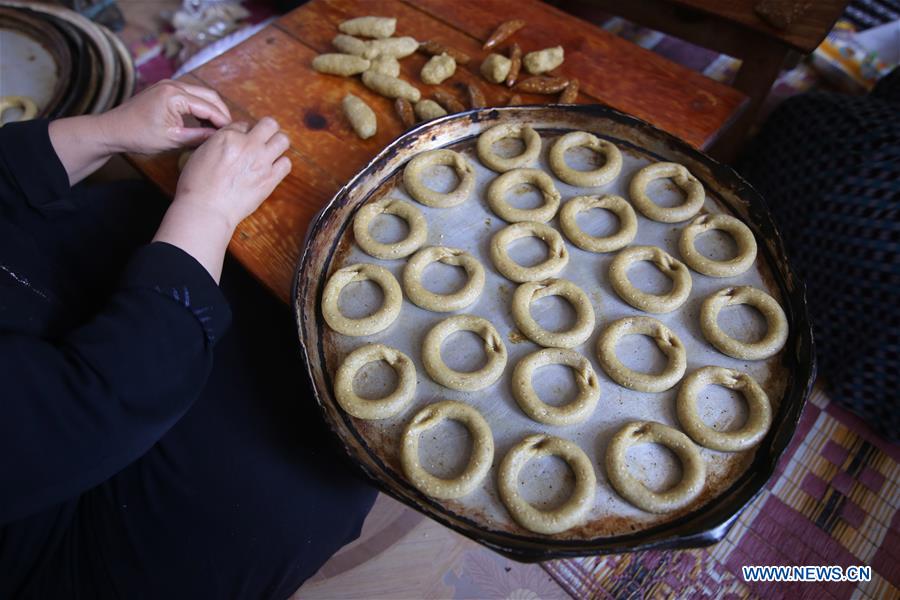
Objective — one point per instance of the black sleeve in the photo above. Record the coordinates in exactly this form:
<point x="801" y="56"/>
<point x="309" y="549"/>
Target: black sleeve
<point x="75" y="411"/>
<point x="31" y="173"/>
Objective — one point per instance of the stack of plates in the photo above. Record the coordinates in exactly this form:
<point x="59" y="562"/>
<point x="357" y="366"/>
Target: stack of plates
<point x="66" y="64"/>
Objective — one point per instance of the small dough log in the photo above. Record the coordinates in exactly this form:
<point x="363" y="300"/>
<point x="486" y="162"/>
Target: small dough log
<point x="390" y="87"/>
<point x="495" y="68"/>
<point x="544" y="60"/>
<point x="371" y="27"/>
<point x="350" y="45"/>
<point x="386" y="65"/>
<point x="361" y="117"/>
<point x="429" y="109"/>
<point x="438" y="69"/>
<point x="400" y="47"/>
<point x="340" y="64"/>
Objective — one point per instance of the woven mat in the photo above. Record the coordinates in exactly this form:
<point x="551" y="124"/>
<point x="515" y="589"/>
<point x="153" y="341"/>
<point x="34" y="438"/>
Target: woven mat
<point x="833" y="500"/>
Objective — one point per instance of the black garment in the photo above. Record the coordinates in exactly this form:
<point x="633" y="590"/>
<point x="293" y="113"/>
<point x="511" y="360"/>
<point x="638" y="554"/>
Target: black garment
<point x="145" y="450"/>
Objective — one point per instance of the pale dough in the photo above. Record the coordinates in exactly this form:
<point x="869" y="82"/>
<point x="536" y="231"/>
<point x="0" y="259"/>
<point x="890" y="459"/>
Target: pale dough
<point x="628" y="224"/>
<point x="595" y="177"/>
<point x="500" y="186"/>
<point x="577" y="411"/>
<point x="421" y="296"/>
<point x="743" y="237"/>
<point x="381" y="408"/>
<point x="531" y="291"/>
<point x="666" y="341"/>
<point x="671" y="267"/>
<point x="418" y="228"/>
<point x="464" y="381"/>
<point x="416" y="169"/>
<point x="494" y="161"/>
<point x="691" y="186"/>
<point x="377" y="321"/>
<point x="557" y="254"/>
<point x="769" y="345"/>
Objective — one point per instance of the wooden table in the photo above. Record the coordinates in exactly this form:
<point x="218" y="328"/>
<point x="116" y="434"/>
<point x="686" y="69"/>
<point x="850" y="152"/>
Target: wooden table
<point x="270" y="74"/>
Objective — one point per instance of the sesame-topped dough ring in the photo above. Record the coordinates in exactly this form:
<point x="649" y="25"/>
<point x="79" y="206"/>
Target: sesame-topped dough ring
<point x="769" y="345"/>
<point x="593" y="178"/>
<point x="464" y="381"/>
<point x="743" y="237"/>
<point x="381" y="408"/>
<point x="628" y="224"/>
<point x="690" y="185"/>
<point x="749" y="435"/>
<point x="532" y="291"/>
<point x="573" y="510"/>
<point x="377" y="321"/>
<point x="415" y="239"/>
<point x="479" y="461"/>
<point x="415" y="169"/>
<point x="496" y="196"/>
<point x="419" y="295"/>
<point x="576" y="411"/>
<point x="666" y="341"/>
<point x="693" y="469"/>
<point x="670" y="266"/>
<point x="557" y="254"/>
<point x="495" y="162"/>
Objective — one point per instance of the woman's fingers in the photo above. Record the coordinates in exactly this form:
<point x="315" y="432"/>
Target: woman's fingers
<point x="207" y="94"/>
<point x="264" y="129"/>
<point x="277" y="145"/>
<point x="203" y="109"/>
<point x="192" y="136"/>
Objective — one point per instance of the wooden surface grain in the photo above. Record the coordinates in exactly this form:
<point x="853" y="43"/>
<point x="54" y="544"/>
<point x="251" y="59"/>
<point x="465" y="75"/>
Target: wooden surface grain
<point x="270" y="74"/>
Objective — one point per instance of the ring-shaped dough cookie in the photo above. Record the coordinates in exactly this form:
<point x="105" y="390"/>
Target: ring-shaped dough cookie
<point x="377" y="321"/>
<point x="419" y="295"/>
<point x="479" y="462"/>
<point x="593" y="178"/>
<point x="415" y="239"/>
<point x="666" y="341"/>
<point x="743" y="237"/>
<point x="495" y="162"/>
<point x="693" y="469"/>
<point x="759" y="418"/>
<point x="381" y="408"/>
<point x="576" y="411"/>
<point x="573" y="510"/>
<point x="464" y="381"/>
<point x="29" y="108"/>
<point x="670" y="266"/>
<point x="691" y="186"/>
<point x="532" y="291"/>
<point x="628" y="224"/>
<point x="557" y="254"/>
<point x="415" y="170"/>
<point x="496" y="196"/>
<point x="769" y="345"/>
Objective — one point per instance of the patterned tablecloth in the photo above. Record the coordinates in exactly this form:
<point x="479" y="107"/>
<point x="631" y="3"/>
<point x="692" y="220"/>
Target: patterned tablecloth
<point x="833" y="500"/>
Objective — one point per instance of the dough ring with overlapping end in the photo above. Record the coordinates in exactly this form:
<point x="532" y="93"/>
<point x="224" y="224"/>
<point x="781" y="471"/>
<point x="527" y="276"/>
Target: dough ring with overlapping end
<point x="415" y="171"/>
<point x="670" y="266"/>
<point x="615" y="204"/>
<point x="498" y="188"/>
<point x="425" y="298"/>
<point x="494" y="161"/>
<point x="593" y="178"/>
<point x="576" y="411"/>
<point x="693" y="469"/>
<point x="381" y="408"/>
<point x="464" y="381"/>
<point x="377" y="321"/>
<point x="573" y="510"/>
<point x="758" y="421"/>
<point x="415" y="239"/>
<point x="666" y="341"/>
<point x="690" y="185"/>
<point x="557" y="254"/>
<point x="743" y="237"/>
<point x="532" y="291"/>
<point x="769" y="345"/>
<point x="26" y="104"/>
<point x="479" y="461"/>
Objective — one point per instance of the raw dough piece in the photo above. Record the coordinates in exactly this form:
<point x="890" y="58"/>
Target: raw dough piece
<point x="495" y="68"/>
<point x="464" y="381"/>
<point x="418" y="166"/>
<point x="693" y="469"/>
<point x="26" y="104"/>
<point x="682" y="178"/>
<point x="568" y="222"/>
<point x="769" y="345"/>
<point x="340" y="64"/>
<point x="743" y="237"/>
<point x="749" y="435"/>
<point x="350" y="45"/>
<point x="429" y="109"/>
<point x="500" y="186"/>
<point x="479" y="462"/>
<point x="593" y="178"/>
<point x="390" y="87"/>
<point x="400" y="47"/>
<point x="544" y="60"/>
<point x="532" y="291"/>
<point x="437" y="69"/>
<point x="557" y="255"/>
<point x="493" y="161"/>
<point x="673" y="268"/>
<point x="576" y="411"/>
<point x="377" y="321"/>
<point x="556" y="520"/>
<point x="361" y="117"/>
<point x="386" y="65"/>
<point x="372" y="27"/>
<point x="415" y="239"/>
<point x="419" y="295"/>
<point x="666" y="341"/>
<point x="381" y="408"/>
